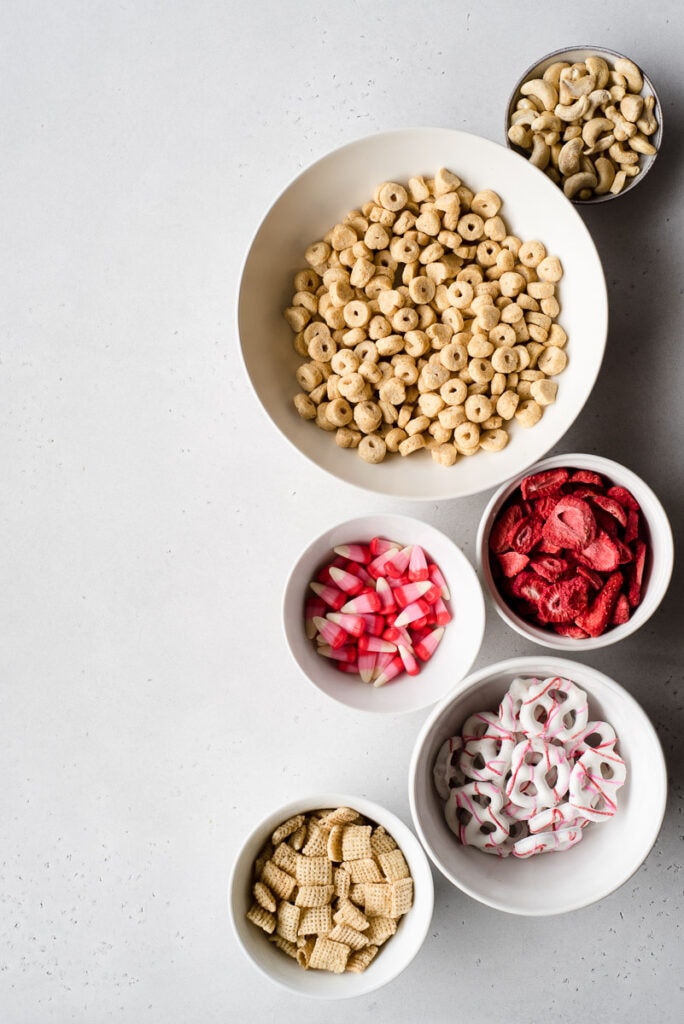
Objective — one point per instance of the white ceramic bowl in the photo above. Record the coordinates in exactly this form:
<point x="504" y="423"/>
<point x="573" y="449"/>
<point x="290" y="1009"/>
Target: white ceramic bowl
<point x="659" y="560"/>
<point x="574" y="55"/>
<point x="609" y="853"/>
<point x="533" y="208"/>
<point x="394" y="956"/>
<point x="459" y="645"/>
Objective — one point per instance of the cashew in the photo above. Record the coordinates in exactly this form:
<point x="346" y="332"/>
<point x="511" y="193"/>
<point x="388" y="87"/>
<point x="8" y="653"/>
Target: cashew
<point x="606" y="175"/>
<point x="631" y="73"/>
<point x="647" y="122"/>
<point x="540" y="152"/>
<point x="543" y="91"/>
<point x="552" y="73"/>
<point x="528" y="104"/>
<point x="640" y="144"/>
<point x="598" y="67"/>
<point x="631" y="107"/>
<point x="617" y="79"/>
<point x="618" y="183"/>
<point x="597" y="98"/>
<point x="569" y="158"/>
<point x="620" y="155"/>
<point x="623" y="129"/>
<point x="594" y="128"/>
<point x="571" y="132"/>
<point x="604" y="143"/>
<point x="576" y="182"/>
<point x="550" y="138"/>
<point x="574" y="112"/>
<point x="520" y="136"/>
<point x="546" y="122"/>
<point x="572" y="89"/>
<point x="526" y="117"/>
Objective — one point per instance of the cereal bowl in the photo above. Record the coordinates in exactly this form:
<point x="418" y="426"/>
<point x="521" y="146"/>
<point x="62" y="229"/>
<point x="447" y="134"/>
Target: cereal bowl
<point x="656" y="569"/>
<point x="610" y="851"/>
<point x="323" y="194"/>
<point x="531" y="143"/>
<point x="459" y="643"/>
<point x="393" y="956"/>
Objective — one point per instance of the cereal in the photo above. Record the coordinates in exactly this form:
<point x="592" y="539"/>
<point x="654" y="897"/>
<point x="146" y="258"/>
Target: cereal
<point x="319" y="923"/>
<point x="529" y="778"/>
<point x="423" y="288"/>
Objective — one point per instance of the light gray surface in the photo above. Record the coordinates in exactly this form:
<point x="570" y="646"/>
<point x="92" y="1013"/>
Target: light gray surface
<point x="150" y="513"/>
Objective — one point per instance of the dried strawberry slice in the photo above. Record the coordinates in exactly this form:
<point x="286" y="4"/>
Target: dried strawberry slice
<point x="624" y="550"/>
<point x="586" y="476"/>
<point x="549" y="481"/>
<point x="602" y="554"/>
<point x="502" y="530"/>
<point x="527" y="533"/>
<point x="570" y="629"/>
<point x="550" y="567"/>
<point x="595" y="579"/>
<point x="545" y="506"/>
<point x="529" y="586"/>
<point x="596" y="618"/>
<point x="563" y="601"/>
<point x="633" y="527"/>
<point x="621" y="612"/>
<point x="624" y="496"/>
<point x="512" y="562"/>
<point x="636" y="574"/>
<point x="613" y="507"/>
<point x="571" y="524"/>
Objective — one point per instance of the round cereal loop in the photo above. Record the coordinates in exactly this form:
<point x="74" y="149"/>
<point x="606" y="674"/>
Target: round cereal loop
<point x="317" y="254"/>
<point x="417" y="425"/>
<point x="454" y="356"/>
<point x="306" y="280"/>
<point x="304" y="406"/>
<point x="495" y="228"/>
<point x="392" y="390"/>
<point x="431" y="253"/>
<point x="352" y="387"/>
<point x="376" y="237"/>
<point x="487" y="253"/>
<point x="544" y="391"/>
<point x="322" y="349"/>
<point x="392" y="196"/>
<point x="309" y="376"/>
<point x="552" y="361"/>
<point x="472" y="274"/>
<point x="478" y="408"/>
<point x="421" y="289"/>
<point x="487" y="318"/>
<point x="384" y="261"/>
<point x="494" y="440"/>
<point x="362" y="272"/>
<point x="470" y="227"/>
<point x="412" y="444"/>
<point x="345" y="361"/>
<point x="372" y="448"/>
<point x="429" y="223"/>
<point x="444" y="454"/>
<point x="451" y="416"/>
<point x="430" y="404"/>
<point x="511" y="284"/>
<point x="367" y="351"/>
<point x="392" y="345"/>
<point x="405" y="369"/>
<point x="316" y="329"/>
<point x="454" y="391"/>
<point x="445" y="181"/>
<point x="528" y="413"/>
<point x="404" y="249"/>
<point x="394" y="437"/>
<point x="479" y="346"/>
<point x="512" y="314"/>
<point x="486" y="203"/>
<point x="461" y="294"/>
<point x="505" y="360"/>
<point x="356" y="313"/>
<point x="507" y="403"/>
<point x="405" y="319"/>
<point x="550" y="269"/>
<point x="322" y="420"/>
<point x="481" y="370"/>
<point x="379" y="327"/>
<point x="367" y="416"/>
<point x="339" y="412"/>
<point x="502" y="335"/>
<point x="432" y="377"/>
<point x="371" y="372"/>
<point x="342" y="237"/>
<point x="530" y="254"/>
<point x="340" y="292"/>
<point x="467" y="436"/>
<point x="346" y="438"/>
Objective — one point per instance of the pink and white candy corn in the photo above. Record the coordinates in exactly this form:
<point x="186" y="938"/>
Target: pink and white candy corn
<point x="346" y="581"/>
<point x="354" y="552"/>
<point x="417" y="566"/>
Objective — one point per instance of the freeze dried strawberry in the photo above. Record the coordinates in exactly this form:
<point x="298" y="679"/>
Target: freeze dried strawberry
<point x="636" y="574"/>
<point x="610" y="505"/>
<point x="633" y="527"/>
<point x="500" y="536"/>
<point x="549" y="481"/>
<point x="596" y="618"/>
<point x="595" y="579"/>
<point x="602" y="554"/>
<point x="586" y="476"/>
<point x="526" y="534"/>
<point x="624" y="496"/>
<point x="512" y="562"/>
<point x="550" y="567"/>
<point x="570" y="629"/>
<point x="625" y="552"/>
<point x="545" y="506"/>
<point x="529" y="586"/>
<point x="621" y="612"/>
<point x="563" y="601"/>
<point x="571" y="524"/>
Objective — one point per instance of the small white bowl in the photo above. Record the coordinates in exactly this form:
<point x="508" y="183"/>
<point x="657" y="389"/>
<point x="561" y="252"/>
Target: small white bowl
<point x="610" y="852"/>
<point x="459" y="645"/>
<point x="657" y="571"/>
<point x="394" y="956"/>
<point x="533" y="207"/>
<point x="576" y="54"/>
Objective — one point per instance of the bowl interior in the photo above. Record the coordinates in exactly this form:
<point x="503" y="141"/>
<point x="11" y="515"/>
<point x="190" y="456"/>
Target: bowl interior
<point x="575" y="55"/>
<point x="391" y="960"/>
<point x="533" y="208"/>
<point x="459" y="645"/>
<point x="609" y="852"/>
<point x="657" y="570"/>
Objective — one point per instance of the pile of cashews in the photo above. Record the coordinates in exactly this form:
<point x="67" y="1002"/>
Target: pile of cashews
<point x="586" y="125"/>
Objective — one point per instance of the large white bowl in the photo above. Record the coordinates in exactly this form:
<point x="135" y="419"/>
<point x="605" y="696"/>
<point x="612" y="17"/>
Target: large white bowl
<point x="317" y="198"/>
<point x="657" y="571"/>
<point x="393" y="957"/>
<point x="610" y="852"/>
<point x="459" y="645"/>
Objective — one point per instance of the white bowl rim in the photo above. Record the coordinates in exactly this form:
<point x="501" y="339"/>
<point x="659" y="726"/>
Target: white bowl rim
<point x="620" y="474"/>
<point x="426" y="494"/>
<point x="563" y="667"/>
<point x="405" y="839"/>
<point x="477" y="602"/>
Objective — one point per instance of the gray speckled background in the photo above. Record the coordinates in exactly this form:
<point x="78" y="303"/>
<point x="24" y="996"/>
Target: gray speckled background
<point x="150" y="512"/>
